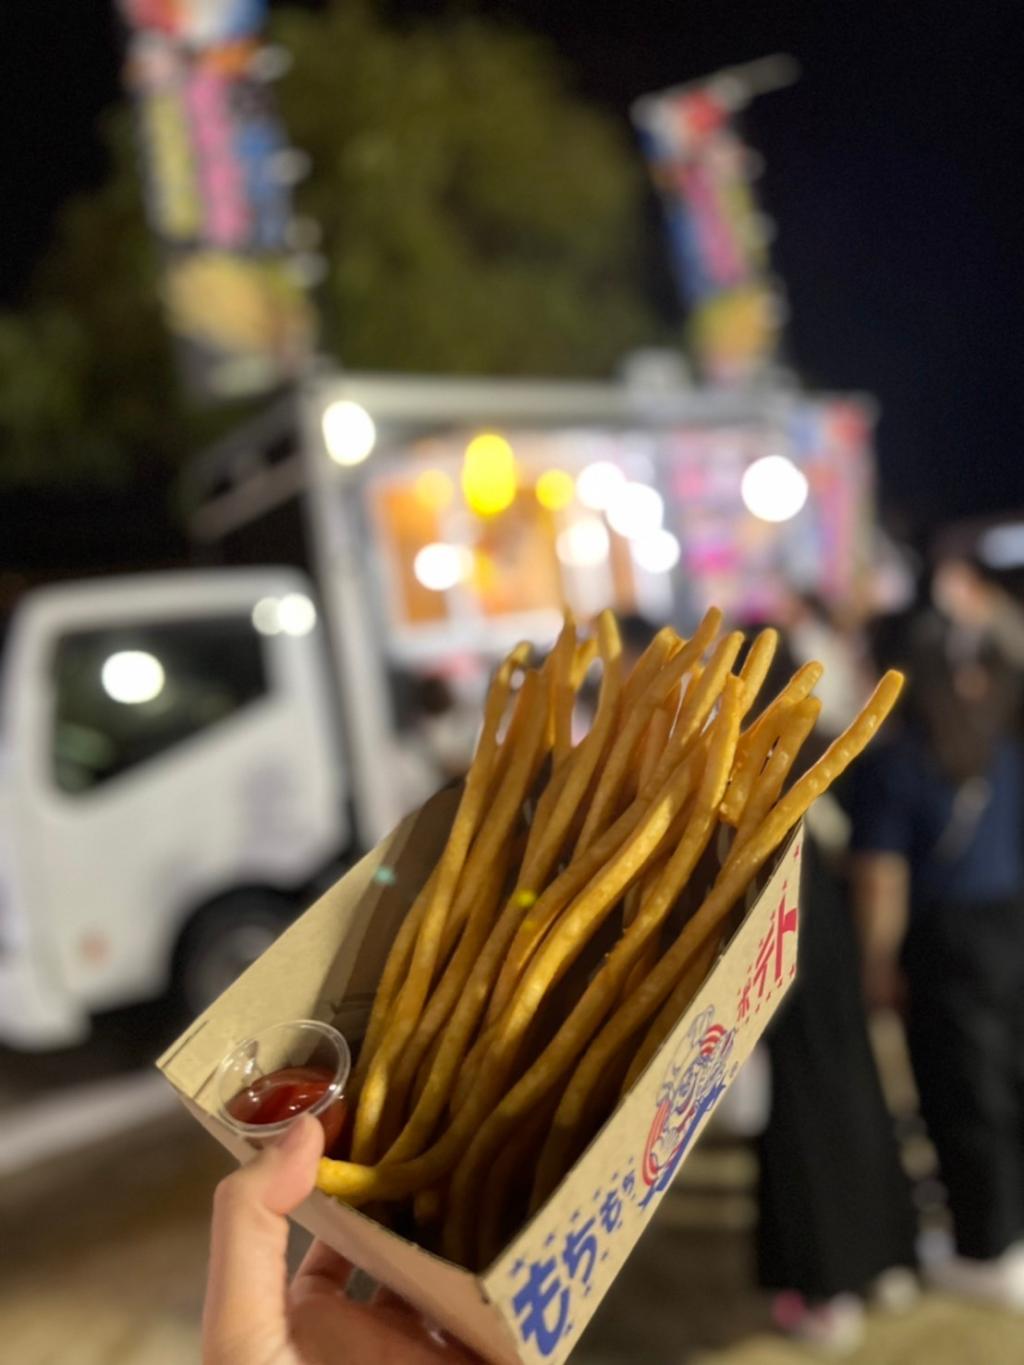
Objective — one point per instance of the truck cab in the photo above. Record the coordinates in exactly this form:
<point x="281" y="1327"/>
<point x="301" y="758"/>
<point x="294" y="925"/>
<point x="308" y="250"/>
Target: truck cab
<point x="172" y="787"/>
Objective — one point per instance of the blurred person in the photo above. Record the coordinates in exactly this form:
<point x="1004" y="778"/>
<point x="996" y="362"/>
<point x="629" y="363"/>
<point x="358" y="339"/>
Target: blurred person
<point x="836" y="1221"/>
<point x="938" y="875"/>
<point x="980" y="613"/>
<point x="253" y="1316"/>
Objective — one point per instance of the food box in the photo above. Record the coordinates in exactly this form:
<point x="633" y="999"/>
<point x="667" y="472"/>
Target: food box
<point x="533" y="1302"/>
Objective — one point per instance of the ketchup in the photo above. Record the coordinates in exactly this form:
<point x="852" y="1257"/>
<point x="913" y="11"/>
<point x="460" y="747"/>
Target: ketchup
<point x="288" y="1092"/>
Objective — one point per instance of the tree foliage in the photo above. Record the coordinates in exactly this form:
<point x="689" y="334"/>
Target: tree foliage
<point x="477" y="217"/>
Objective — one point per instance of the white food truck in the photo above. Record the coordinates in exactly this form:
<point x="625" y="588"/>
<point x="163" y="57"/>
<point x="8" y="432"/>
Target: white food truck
<point x="185" y="758"/>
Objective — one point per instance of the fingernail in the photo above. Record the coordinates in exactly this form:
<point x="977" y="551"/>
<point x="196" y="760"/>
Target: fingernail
<point x="295" y="1136"/>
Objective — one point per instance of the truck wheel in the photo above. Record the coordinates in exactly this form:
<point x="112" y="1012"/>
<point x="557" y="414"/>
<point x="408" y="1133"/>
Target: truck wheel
<point x="222" y="940"/>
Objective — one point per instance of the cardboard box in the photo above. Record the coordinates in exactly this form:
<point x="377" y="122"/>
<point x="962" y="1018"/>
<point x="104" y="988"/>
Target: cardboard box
<point x="533" y="1302"/>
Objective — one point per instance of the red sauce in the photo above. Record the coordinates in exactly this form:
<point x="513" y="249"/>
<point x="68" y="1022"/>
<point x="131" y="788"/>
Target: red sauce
<point x="288" y="1092"/>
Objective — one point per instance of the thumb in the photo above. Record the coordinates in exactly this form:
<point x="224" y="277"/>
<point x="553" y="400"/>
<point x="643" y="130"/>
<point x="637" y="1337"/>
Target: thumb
<point x="245" y="1293"/>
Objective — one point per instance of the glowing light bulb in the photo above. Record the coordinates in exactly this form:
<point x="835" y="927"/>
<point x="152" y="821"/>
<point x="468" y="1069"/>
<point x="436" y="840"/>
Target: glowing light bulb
<point x="658" y="553"/>
<point x="555" y="489"/>
<point x="440" y="566"/>
<point x="584" y="544"/>
<point x="296" y="614"/>
<point x="599" y="484"/>
<point x="773" y="489"/>
<point x="489" y="476"/>
<point x="349" y="432"/>
<point x="132" y="676"/>
<point x="636" y="511"/>
<point x="265" y="617"/>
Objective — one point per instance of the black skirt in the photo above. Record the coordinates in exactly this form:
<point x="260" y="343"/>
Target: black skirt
<point x="835" y="1206"/>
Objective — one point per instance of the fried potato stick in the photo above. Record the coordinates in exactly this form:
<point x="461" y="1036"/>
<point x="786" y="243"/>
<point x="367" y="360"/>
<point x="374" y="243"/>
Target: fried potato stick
<point x="521" y="1146"/>
<point x="645" y="694"/>
<point x="503" y="808"/>
<point x="360" y="1184"/>
<point x="558" y="806"/>
<point x="757" y="739"/>
<point x="489" y="897"/>
<point x="731" y="883"/>
<point x="390" y="983"/>
<point x="767" y="788"/>
<point x="402" y="1016"/>
<point x="484" y="881"/>
<point x="575" y="904"/>
<point x="689" y="984"/>
<point x="586" y="653"/>
<point x="698" y="703"/>
<point x="756" y="665"/>
<point x="563" y="691"/>
<point x="479" y="988"/>
<point x="606" y="988"/>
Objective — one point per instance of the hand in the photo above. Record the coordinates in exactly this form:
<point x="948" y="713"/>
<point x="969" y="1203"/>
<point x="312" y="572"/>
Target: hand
<point x="254" y="1317"/>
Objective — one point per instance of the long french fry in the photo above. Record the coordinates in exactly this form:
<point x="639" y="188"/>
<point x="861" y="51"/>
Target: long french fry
<point x="409" y="1002"/>
<point x="390" y="983"/>
<point x="490" y="888"/>
<point x="423" y="1074"/>
<point x="454" y="1093"/>
<point x="796" y="726"/>
<point x="521" y="756"/>
<point x="698" y="702"/>
<point x="730" y="884"/>
<point x="647" y="823"/>
<point x="651" y="690"/>
<point x="756" y="665"/>
<point x="651" y="745"/>
<point x="563" y="692"/>
<point x="757" y="739"/>
<point x="672" y="1011"/>
<point x="506" y="1168"/>
<point x="484" y="879"/>
<point x="398" y="959"/>
<point x="481" y="984"/>
<point x="586" y="653"/>
<point x="559" y="804"/>
<point x="749" y="767"/>
<point x="662" y="647"/>
<point x="558" y="1057"/>
<point x="591" y="907"/>
<point x="537" y="924"/>
<point x="606" y="988"/>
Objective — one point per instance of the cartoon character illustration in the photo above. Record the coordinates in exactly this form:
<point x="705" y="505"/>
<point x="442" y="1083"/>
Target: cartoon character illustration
<point x="693" y="1083"/>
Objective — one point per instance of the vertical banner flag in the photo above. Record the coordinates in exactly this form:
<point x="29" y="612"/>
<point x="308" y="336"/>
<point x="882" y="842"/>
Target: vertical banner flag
<point x="218" y="174"/>
<point x="703" y="172"/>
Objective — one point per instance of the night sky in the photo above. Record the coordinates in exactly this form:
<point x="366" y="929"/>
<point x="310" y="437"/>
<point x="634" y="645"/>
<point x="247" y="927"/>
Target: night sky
<point x="891" y="171"/>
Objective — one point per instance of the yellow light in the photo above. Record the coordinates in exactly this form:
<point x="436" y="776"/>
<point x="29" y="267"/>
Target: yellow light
<point x="489" y="475"/>
<point x="555" y="489"/>
<point x="434" y="489"/>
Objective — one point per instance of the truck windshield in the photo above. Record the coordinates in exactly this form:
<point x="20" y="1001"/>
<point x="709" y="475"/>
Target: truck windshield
<point x="127" y="694"/>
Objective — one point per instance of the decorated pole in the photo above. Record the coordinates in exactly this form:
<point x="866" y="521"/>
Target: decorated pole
<point x="703" y="173"/>
<point x="218" y="173"/>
